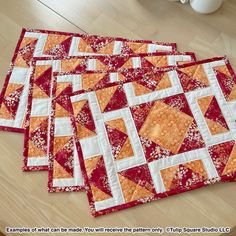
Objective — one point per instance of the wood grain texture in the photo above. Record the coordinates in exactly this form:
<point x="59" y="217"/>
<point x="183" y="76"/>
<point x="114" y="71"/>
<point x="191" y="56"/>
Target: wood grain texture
<point x="24" y="200"/>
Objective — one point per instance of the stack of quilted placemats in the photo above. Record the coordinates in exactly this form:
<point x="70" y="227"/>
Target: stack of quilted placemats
<point x="129" y="121"/>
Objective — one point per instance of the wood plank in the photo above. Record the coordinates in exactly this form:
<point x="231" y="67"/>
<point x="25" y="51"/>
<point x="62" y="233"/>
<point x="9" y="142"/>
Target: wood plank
<point x="207" y="35"/>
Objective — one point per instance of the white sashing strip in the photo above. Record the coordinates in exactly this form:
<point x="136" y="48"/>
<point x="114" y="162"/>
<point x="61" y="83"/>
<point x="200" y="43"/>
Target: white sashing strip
<point x="40" y="107"/>
<point x="19" y="75"/>
<point x="37" y="161"/>
<point x="79" y="180"/>
<point x="38" y="52"/>
<point x="232" y="107"/>
<point x="90" y="147"/>
<point x="63" y="127"/>
<point x="113" y="76"/>
<point x="155" y="48"/>
<point x="74" y="46"/>
<point x="136" y="62"/>
<point x="117" y="47"/>
<point x="91" y="64"/>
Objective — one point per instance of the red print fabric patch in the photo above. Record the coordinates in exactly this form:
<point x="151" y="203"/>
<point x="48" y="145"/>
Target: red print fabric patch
<point x="44" y="43"/>
<point x="137" y="143"/>
<point x="39" y="102"/>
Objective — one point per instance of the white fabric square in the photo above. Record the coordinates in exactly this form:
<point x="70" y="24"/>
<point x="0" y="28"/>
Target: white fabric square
<point x="113" y="76"/>
<point x="173" y="59"/>
<point x="155" y="47"/>
<point x="41" y="107"/>
<point x="136" y="62"/>
<point x="117" y="47"/>
<point x="63" y="127"/>
<point x="90" y="147"/>
<point x="19" y="75"/>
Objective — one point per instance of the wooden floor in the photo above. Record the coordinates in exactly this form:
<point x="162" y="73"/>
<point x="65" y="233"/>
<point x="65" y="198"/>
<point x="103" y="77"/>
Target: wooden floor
<point x="24" y="200"/>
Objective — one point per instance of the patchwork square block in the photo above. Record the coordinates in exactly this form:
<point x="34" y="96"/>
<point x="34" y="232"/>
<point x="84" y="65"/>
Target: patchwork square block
<point x="44" y="43"/>
<point x="157" y="143"/>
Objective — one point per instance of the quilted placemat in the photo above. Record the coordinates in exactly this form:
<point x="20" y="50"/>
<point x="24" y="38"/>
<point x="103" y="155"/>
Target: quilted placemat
<point x="147" y="145"/>
<point x="64" y="169"/>
<point x="35" y="153"/>
<point x="43" y="43"/>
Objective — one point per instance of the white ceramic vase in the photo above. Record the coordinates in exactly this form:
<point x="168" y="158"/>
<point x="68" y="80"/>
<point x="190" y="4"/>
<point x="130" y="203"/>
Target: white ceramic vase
<point x="205" y="6"/>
